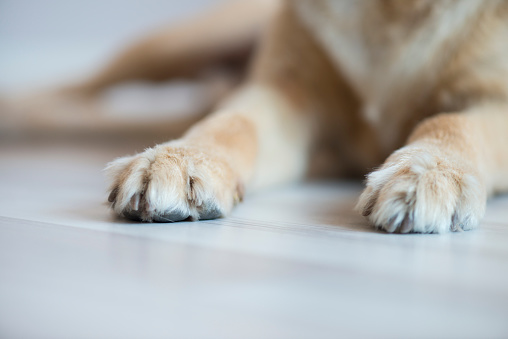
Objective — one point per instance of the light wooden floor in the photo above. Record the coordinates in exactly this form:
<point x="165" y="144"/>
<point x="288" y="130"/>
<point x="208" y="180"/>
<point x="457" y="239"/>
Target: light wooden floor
<point x="295" y="262"/>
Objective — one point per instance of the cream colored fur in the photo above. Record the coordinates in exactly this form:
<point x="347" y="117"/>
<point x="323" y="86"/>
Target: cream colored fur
<point x="349" y="81"/>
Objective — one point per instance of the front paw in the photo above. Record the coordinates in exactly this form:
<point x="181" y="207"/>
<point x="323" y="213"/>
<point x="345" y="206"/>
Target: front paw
<point x="421" y="190"/>
<point x="173" y="182"/>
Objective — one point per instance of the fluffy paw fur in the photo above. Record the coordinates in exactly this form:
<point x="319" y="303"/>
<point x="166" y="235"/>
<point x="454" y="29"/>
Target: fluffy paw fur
<point x="173" y="182"/>
<point x="420" y="190"/>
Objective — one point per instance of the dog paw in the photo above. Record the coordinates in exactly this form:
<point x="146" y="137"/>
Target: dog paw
<point x="173" y="182"/>
<point x="420" y="190"/>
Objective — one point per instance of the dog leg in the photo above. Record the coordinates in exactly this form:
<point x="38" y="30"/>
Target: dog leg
<point x="254" y="141"/>
<point x="440" y="180"/>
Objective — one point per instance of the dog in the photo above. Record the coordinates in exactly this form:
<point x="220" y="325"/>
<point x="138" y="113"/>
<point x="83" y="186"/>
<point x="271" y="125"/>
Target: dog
<point x="415" y="89"/>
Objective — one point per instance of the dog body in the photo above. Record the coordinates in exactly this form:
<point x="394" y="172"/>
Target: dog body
<point x="391" y="54"/>
<point x="349" y="82"/>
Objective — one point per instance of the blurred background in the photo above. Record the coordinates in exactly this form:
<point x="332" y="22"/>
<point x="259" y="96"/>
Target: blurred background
<point x="52" y="41"/>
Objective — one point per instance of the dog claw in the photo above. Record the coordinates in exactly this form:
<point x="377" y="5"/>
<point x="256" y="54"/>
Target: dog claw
<point x="135" y="202"/>
<point x="113" y="194"/>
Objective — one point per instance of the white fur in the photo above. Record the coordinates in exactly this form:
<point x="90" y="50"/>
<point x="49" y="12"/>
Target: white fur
<point x="164" y="185"/>
<point x="419" y="190"/>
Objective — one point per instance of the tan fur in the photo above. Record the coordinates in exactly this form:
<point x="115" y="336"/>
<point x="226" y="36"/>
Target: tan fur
<point x="339" y="85"/>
